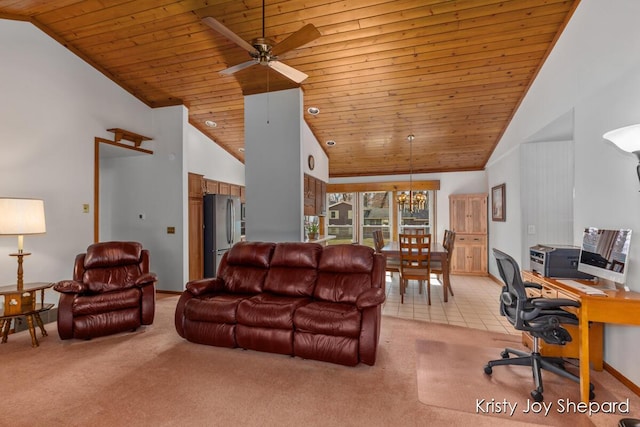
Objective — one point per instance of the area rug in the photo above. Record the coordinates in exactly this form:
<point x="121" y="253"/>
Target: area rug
<point x="450" y="375"/>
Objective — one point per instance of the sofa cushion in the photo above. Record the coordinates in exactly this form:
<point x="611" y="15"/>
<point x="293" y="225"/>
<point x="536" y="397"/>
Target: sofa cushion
<point x="244" y="267"/>
<point x="347" y="259"/>
<point x="106" y="302"/>
<point x="108" y="254"/>
<point x="254" y="254"/>
<point x="293" y="269"/>
<point x="220" y="308"/>
<point x="269" y="311"/>
<point x="111" y="278"/>
<point x="327" y="318"/>
<point x="344" y="273"/>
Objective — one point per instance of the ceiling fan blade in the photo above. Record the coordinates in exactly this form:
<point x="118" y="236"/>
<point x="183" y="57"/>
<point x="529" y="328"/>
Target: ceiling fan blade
<point x="304" y="35"/>
<point x="217" y="26"/>
<point x="242" y="66"/>
<point x="287" y="71"/>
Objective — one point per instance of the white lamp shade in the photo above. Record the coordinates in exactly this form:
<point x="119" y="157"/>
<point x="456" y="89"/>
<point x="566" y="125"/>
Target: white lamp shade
<point x="626" y="138"/>
<point x="21" y="216"/>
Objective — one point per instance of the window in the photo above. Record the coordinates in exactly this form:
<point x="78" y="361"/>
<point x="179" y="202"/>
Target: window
<point x="354" y="216"/>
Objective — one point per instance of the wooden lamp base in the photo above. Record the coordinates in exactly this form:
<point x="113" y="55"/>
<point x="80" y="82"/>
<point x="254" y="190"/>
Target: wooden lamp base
<point x="20" y="255"/>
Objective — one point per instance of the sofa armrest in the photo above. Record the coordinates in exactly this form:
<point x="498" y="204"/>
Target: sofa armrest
<point x="205" y="286"/>
<point x="370" y="298"/>
<point x="70" y="287"/>
<point x="146" y="279"/>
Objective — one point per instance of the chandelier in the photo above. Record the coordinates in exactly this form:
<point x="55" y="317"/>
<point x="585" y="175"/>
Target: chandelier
<point x="411" y="201"/>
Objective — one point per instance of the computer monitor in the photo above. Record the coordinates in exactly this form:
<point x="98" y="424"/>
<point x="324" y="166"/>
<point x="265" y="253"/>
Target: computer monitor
<point x="604" y="253"/>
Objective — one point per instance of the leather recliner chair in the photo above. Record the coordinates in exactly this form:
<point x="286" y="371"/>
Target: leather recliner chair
<point x="112" y="291"/>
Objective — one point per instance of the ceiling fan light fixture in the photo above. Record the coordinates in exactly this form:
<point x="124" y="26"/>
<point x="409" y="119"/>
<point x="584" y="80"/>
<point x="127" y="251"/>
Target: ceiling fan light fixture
<point x="313" y="111"/>
<point x="210" y="123"/>
<point x="331" y="143"/>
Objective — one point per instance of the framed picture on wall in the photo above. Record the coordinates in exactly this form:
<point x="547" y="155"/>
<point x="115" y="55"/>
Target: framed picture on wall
<point x="498" y="203"/>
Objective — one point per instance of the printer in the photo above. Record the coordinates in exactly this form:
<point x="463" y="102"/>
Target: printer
<point x="559" y="261"/>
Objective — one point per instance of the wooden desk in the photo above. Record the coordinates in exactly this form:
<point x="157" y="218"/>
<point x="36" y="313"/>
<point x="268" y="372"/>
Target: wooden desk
<point x="27" y="306"/>
<point x="438" y="253"/>
<point x="619" y="306"/>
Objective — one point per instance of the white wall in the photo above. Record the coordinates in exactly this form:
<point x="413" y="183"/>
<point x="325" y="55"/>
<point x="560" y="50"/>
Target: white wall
<point x="594" y="71"/>
<point x="52" y="105"/>
<point x="151" y="186"/>
<point x="207" y="158"/>
<point x="310" y="146"/>
<point x="273" y="160"/>
<point x="607" y="193"/>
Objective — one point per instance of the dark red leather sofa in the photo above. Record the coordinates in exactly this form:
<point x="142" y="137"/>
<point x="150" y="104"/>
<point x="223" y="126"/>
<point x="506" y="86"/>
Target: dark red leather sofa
<point x="299" y="299"/>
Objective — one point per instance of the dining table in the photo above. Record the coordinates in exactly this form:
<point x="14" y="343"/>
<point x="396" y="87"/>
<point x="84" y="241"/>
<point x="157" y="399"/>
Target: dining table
<point x="438" y="253"/>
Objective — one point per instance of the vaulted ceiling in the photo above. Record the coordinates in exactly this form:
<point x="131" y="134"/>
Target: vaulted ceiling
<point x="452" y="73"/>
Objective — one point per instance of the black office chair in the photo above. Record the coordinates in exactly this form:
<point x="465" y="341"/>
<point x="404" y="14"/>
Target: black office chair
<point x="540" y="317"/>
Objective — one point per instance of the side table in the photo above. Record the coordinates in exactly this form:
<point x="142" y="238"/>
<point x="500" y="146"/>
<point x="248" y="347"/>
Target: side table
<point x="23" y="303"/>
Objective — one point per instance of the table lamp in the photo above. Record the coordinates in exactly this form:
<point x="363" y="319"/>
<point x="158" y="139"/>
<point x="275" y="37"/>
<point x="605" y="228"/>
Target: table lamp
<point x="17" y="218"/>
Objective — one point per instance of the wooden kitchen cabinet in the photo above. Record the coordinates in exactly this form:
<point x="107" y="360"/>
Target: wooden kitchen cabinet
<point x="309" y="194"/>
<point x="234" y="190"/>
<point x="197" y="187"/>
<point x="211" y="186"/>
<point x="469" y="255"/>
<point x="224" y="188"/>
<point x="315" y="194"/>
<point x="195" y="184"/>
<point x="468" y="218"/>
<point x="321" y="196"/>
<point x="468" y="213"/>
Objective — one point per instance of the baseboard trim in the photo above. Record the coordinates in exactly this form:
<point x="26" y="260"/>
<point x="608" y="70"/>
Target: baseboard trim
<point x="495" y="279"/>
<point x="624" y="380"/>
<point x="169" y="292"/>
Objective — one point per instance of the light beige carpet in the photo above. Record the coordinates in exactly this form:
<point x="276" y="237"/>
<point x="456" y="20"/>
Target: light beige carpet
<point x="446" y="366"/>
<point x="152" y="377"/>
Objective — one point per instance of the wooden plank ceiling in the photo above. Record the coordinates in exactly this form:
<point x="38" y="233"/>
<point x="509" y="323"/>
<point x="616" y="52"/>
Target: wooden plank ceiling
<point x="451" y="73"/>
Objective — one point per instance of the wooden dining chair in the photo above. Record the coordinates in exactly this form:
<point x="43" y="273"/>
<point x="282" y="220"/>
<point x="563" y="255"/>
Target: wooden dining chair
<point x="437" y="267"/>
<point x="415" y="262"/>
<point x="393" y="263"/>
<point x="408" y="230"/>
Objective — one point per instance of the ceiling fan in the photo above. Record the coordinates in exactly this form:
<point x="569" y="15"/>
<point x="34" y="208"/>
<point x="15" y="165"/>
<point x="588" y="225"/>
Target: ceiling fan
<point x="264" y="52"/>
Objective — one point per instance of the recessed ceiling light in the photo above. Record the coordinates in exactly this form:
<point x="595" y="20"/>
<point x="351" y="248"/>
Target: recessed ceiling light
<point x="331" y="143"/>
<point x="241" y="149"/>
<point x="210" y="123"/>
<point x="313" y="110"/>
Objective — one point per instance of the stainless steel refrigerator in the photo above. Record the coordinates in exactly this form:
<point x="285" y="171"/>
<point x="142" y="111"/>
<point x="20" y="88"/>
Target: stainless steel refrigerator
<point x="221" y="229"/>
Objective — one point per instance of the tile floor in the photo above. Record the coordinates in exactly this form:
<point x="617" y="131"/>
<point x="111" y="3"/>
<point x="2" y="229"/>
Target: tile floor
<point x="475" y="304"/>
